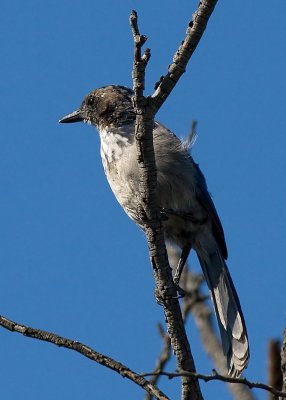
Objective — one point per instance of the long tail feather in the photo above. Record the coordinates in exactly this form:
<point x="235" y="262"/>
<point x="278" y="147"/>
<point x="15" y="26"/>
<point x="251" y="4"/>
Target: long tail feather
<point x="228" y="311"/>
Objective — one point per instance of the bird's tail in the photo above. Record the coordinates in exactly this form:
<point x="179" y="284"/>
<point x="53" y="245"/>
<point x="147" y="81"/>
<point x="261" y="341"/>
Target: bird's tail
<point x="228" y="311"/>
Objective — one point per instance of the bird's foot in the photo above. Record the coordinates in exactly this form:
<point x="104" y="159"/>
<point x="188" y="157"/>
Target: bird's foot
<point x="160" y="299"/>
<point x="180" y="292"/>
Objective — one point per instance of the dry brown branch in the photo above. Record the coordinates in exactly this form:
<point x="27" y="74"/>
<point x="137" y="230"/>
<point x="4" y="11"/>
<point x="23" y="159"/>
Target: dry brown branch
<point x="217" y="377"/>
<point x="166" y="354"/>
<point x="194" y="33"/>
<point x="145" y="109"/>
<point x="163" y="358"/>
<point x="283" y="361"/>
<point x="274" y="367"/>
<point x="148" y="209"/>
<point x="195" y="303"/>
<point x="86" y="351"/>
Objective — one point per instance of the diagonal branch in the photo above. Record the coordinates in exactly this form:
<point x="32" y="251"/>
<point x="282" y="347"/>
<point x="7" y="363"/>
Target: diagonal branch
<point x="181" y="58"/>
<point x="86" y="351"/>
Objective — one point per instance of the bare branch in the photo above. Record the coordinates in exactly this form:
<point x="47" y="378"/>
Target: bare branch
<point x="149" y="212"/>
<point x="195" y="303"/>
<point x="145" y="110"/>
<point x="86" y="351"/>
<point x="217" y="377"/>
<point x="140" y="63"/>
<point x="139" y="40"/>
<point x="163" y="358"/>
<point x="283" y="360"/>
<point x="274" y="367"/>
<point x="193" y="35"/>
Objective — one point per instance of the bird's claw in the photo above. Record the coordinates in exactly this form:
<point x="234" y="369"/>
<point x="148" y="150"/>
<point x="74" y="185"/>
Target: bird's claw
<point x="181" y="292"/>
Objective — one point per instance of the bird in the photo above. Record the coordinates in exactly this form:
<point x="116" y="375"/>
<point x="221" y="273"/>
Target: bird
<point x="190" y="217"/>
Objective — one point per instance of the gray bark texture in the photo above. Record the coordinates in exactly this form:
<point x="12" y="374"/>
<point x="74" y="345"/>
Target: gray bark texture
<point x="145" y="110"/>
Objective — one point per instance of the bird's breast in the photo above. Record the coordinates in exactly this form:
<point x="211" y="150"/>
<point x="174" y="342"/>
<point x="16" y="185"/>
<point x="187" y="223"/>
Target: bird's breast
<point x="113" y="145"/>
<point x="118" y="153"/>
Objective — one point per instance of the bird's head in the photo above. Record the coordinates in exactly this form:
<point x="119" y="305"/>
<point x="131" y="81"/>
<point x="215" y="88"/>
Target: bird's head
<point x="107" y="106"/>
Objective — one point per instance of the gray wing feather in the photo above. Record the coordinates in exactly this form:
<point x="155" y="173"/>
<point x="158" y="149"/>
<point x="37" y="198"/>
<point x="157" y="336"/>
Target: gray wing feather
<point x="206" y="202"/>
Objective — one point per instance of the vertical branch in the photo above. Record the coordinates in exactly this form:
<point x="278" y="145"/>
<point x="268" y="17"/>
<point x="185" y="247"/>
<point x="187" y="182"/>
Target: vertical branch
<point x="274" y="367"/>
<point x="164" y="358"/>
<point x="149" y="212"/>
<point x="145" y="109"/>
<point x="283" y="361"/>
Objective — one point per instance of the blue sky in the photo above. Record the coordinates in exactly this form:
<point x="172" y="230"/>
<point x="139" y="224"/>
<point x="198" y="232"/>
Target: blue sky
<point x="71" y="261"/>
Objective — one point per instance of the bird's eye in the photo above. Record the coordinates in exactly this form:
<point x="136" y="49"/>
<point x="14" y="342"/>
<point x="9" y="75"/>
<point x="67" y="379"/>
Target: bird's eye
<point x="90" y="101"/>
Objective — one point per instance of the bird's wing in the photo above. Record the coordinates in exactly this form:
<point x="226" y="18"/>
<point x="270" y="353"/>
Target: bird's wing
<point x="173" y="151"/>
<point x="206" y="202"/>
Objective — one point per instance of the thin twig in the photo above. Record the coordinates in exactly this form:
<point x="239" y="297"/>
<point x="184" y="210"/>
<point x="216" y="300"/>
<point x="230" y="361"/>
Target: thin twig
<point x="86" y="351"/>
<point x="163" y="359"/>
<point x="217" y="377"/>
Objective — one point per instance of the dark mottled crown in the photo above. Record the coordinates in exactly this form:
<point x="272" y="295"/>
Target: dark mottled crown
<point x="109" y="105"/>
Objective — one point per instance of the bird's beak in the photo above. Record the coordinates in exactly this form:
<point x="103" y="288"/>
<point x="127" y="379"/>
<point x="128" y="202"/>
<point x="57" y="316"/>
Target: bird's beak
<point x="75" y="116"/>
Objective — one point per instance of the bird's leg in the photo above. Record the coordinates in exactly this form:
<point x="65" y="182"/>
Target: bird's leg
<point x="179" y="269"/>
